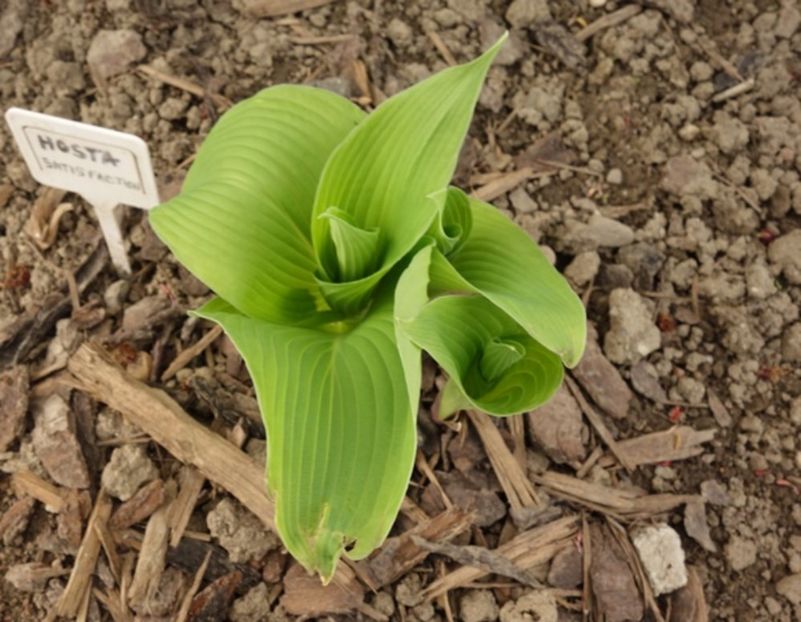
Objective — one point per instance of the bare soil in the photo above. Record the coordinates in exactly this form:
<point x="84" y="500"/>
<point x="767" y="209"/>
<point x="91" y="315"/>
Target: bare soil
<point x="666" y="183"/>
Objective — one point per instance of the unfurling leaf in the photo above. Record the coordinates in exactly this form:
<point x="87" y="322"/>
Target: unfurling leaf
<point x="338" y="252"/>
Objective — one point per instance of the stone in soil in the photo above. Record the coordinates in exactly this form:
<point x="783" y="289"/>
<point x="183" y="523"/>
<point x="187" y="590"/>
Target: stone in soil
<point x="632" y="334"/>
<point x="612" y="582"/>
<point x="239" y="532"/>
<point x="790" y="588"/>
<point x="583" y="268"/>
<point x="13" y="404"/>
<point x="659" y="548"/>
<point x="791" y="344"/>
<point x="113" y="52"/>
<point x="566" y="570"/>
<point x="558" y="428"/>
<point x="478" y="606"/>
<point x="740" y="553"/>
<point x="127" y="470"/>
<point x="523" y="13"/>
<point x="56" y="444"/>
<point x="537" y="605"/>
<point x="785" y="253"/>
<point x="601" y="379"/>
<point x="253" y="606"/>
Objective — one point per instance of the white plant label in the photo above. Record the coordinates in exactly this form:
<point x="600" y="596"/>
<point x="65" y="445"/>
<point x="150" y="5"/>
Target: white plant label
<point x="104" y="166"/>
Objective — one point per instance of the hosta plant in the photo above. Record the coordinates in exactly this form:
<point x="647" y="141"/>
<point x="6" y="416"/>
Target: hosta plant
<point x="338" y="252"/>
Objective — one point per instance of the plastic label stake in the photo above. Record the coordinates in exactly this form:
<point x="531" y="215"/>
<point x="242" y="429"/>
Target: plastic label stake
<point x="105" y="167"/>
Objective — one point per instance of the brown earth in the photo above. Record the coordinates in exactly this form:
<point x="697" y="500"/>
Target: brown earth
<point x="671" y="203"/>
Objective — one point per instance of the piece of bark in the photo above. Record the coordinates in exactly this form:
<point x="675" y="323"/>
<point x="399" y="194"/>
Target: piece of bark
<point x="15" y="519"/>
<point x="69" y="522"/>
<point x="171" y="427"/>
<point x="621" y="504"/>
<point x="480" y="557"/>
<point x="696" y="525"/>
<point x="688" y="603"/>
<point x="28" y="483"/>
<point x="145" y="501"/>
<point x="718" y="408"/>
<point x="613" y="586"/>
<point x="676" y="443"/>
<point x="80" y="579"/>
<point x="18" y="340"/>
<point x="272" y="8"/>
<point x="211" y="605"/>
<point x="185" y="357"/>
<point x="601" y="379"/>
<point x="526" y="550"/>
<point x="32" y="576"/>
<point x="400" y="554"/>
<point x="186" y="603"/>
<point x="518" y="488"/>
<point x="598" y="425"/>
<point x="56" y="443"/>
<point x="152" y="557"/>
<point x="305" y="595"/>
<point x="190" y="553"/>
<point x="13" y="404"/>
<point x="566" y="569"/>
<point x="190" y="482"/>
<point x="608" y="21"/>
<point x="557" y="427"/>
<point x="470" y="494"/>
<point x="645" y="382"/>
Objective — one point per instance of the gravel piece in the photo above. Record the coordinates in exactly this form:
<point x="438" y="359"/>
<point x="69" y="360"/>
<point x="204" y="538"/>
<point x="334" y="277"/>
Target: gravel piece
<point x="478" y="606"/>
<point x="112" y="52"/>
<point x="583" y="268"/>
<point x="126" y="471"/>
<point x="659" y="549"/>
<point x="56" y="444"/>
<point x="740" y="553"/>
<point x="632" y="335"/>
<point x="566" y="570"/>
<point x="239" y="532"/>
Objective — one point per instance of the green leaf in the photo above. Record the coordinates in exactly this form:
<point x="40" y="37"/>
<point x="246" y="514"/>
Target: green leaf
<point x="340" y="412"/>
<point x="357" y="250"/>
<point x="501" y="262"/>
<point x="493" y="362"/>
<point x="390" y="174"/>
<point x="242" y="222"/>
<point x="452" y="227"/>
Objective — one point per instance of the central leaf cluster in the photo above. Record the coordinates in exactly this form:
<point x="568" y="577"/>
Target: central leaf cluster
<point x="338" y="253"/>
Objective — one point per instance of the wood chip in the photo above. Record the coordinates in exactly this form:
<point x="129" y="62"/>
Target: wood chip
<point x="212" y="603"/>
<point x="47" y="209"/>
<point x="172" y="428"/>
<point x="273" y="8"/>
<point x="518" y="488"/>
<point x="186" y="604"/>
<point x="32" y="576"/>
<point x="15" y="519"/>
<point x="400" y="554"/>
<point x="442" y="48"/>
<point x="190" y="482"/>
<point x="503" y="184"/>
<point x="479" y="557"/>
<point x="14" y="385"/>
<point x="305" y="595"/>
<point x="80" y="579"/>
<point x="614" y="589"/>
<point x="152" y="556"/>
<point x="28" y="483"/>
<point x="696" y="525"/>
<point x="526" y="550"/>
<point x="676" y="443"/>
<point x="186" y="356"/>
<point x="688" y="604"/>
<point x="599" y="426"/>
<point x="608" y="21"/>
<point x="145" y="501"/>
<point x="621" y="504"/>
<point x="185" y="85"/>
<point x="718" y="408"/>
